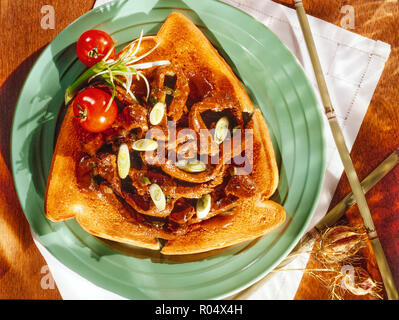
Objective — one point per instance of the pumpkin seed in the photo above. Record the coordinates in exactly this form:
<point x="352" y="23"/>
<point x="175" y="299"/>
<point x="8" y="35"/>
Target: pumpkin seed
<point x="157" y="113"/>
<point x="158" y="196"/>
<point x="191" y="165"/>
<point x="203" y="206"/>
<point x="145" y="145"/>
<point x="123" y="161"/>
<point x="221" y="129"/>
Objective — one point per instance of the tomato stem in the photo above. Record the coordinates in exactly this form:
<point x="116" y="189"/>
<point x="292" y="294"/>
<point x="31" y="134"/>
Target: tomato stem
<point x="93" y="53"/>
<point x="82" y="116"/>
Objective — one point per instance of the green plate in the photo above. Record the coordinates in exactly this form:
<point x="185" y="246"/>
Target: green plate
<point x="276" y="84"/>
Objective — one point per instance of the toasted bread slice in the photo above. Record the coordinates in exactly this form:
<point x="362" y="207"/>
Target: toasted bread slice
<point x="104" y="215"/>
<point x="100" y="215"/>
<point x="252" y="219"/>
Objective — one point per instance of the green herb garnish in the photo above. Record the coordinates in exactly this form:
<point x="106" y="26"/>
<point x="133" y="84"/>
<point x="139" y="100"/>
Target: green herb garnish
<point x="119" y="71"/>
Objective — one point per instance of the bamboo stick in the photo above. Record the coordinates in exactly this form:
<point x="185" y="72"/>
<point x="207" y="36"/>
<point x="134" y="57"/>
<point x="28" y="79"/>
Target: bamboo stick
<point x="345" y="157"/>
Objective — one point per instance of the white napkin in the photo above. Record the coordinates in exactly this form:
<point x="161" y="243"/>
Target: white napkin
<point x="352" y="65"/>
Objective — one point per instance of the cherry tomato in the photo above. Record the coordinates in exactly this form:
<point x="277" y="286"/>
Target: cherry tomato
<point x="93" y="45"/>
<point x="89" y="108"/>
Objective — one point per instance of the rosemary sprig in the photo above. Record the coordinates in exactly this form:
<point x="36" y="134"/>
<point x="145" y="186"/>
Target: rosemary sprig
<point x="119" y="71"/>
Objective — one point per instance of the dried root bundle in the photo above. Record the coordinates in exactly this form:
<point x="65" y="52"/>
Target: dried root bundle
<point x="340" y="243"/>
<point x="357" y="281"/>
<point x="336" y="249"/>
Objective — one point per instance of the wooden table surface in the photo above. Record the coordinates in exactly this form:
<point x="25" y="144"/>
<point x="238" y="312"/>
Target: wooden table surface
<point x="23" y="273"/>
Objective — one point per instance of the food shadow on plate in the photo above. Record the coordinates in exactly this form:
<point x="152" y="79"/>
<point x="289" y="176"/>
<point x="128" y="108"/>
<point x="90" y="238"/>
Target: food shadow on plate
<point x="157" y="257"/>
<point x="38" y="147"/>
<point x="100" y="247"/>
